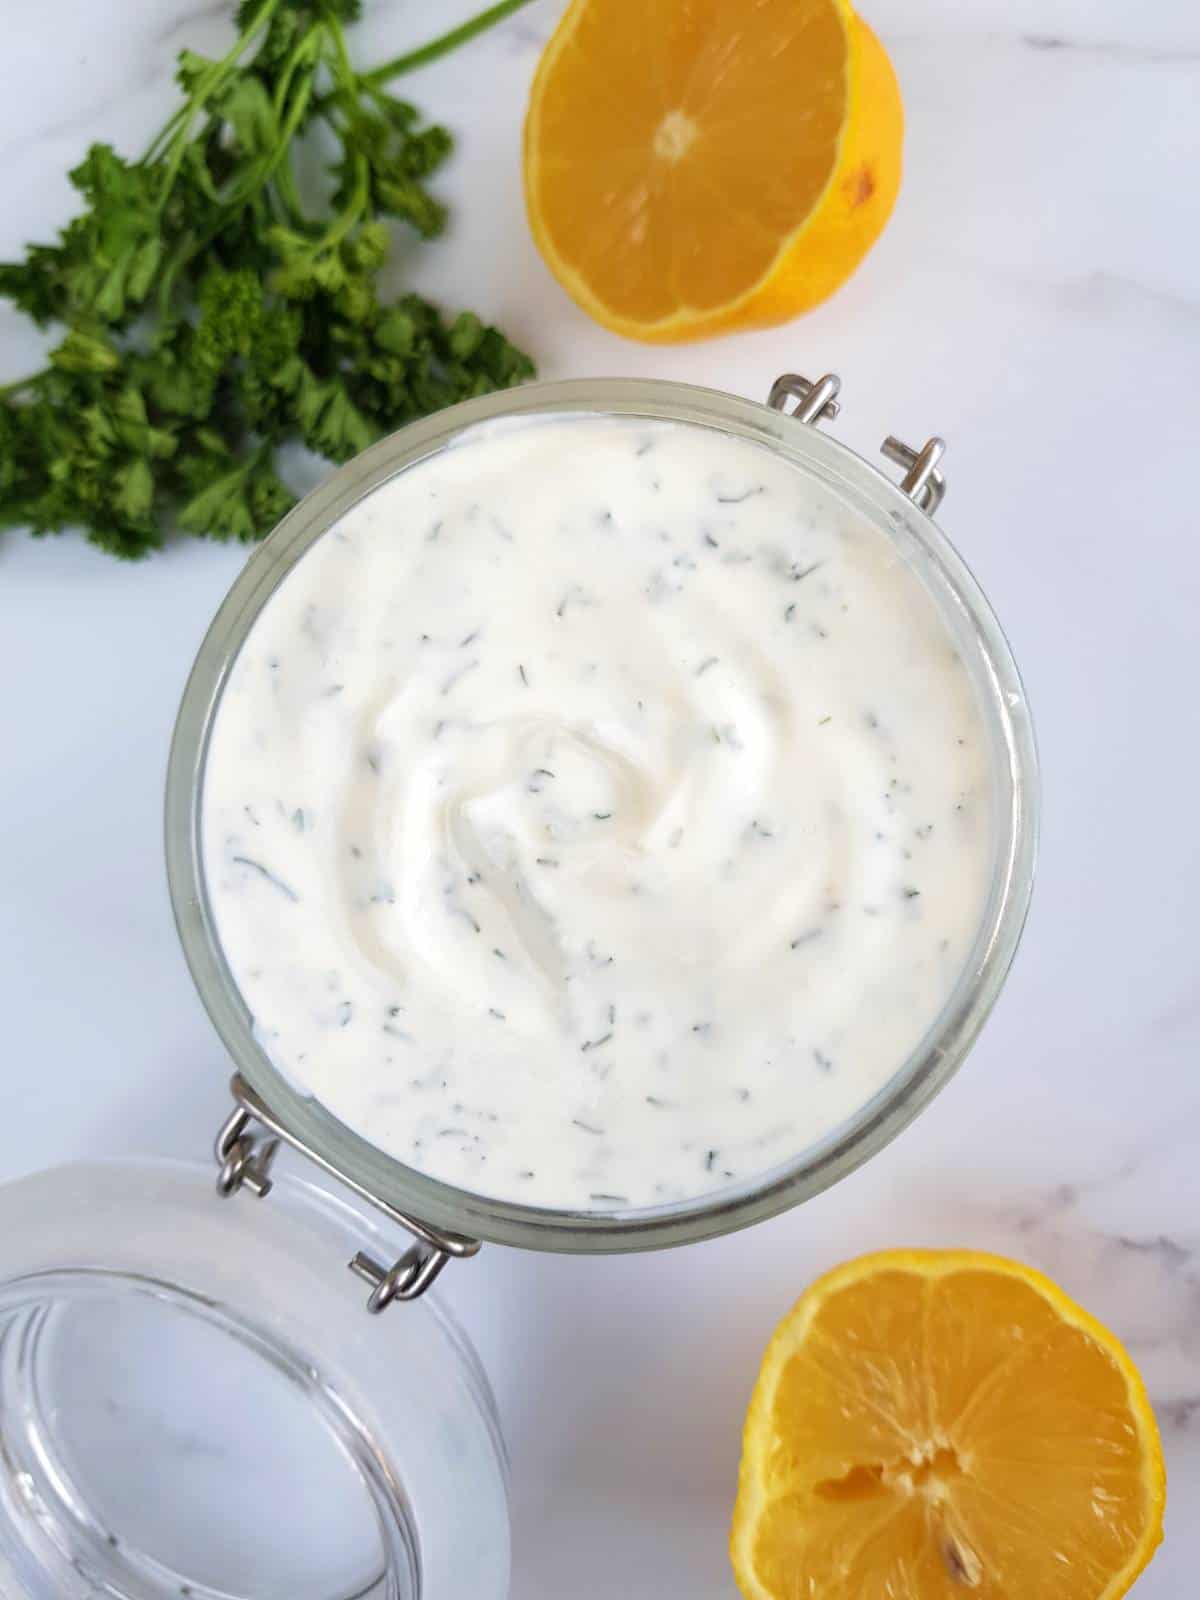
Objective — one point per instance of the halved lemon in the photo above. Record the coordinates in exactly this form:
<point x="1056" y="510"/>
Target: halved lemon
<point x="695" y="166"/>
<point x="937" y="1425"/>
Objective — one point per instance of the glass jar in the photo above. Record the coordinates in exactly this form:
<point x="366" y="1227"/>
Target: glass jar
<point x="190" y="1405"/>
<point x="450" y="1220"/>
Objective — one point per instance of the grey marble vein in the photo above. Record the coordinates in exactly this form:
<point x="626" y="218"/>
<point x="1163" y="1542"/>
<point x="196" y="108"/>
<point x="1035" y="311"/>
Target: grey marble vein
<point x="1143" y="1281"/>
<point x="1181" y="1412"/>
<point x="1124" y="51"/>
<point x="88" y="121"/>
<point x="1167" y="1252"/>
<point x="208" y="12"/>
<point x="1119" y="285"/>
<point x="1111" y="49"/>
<point x="1085" y="288"/>
<point x="524" y="33"/>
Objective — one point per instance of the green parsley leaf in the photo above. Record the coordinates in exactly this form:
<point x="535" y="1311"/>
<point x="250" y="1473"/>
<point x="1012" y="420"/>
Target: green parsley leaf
<point x="208" y="314"/>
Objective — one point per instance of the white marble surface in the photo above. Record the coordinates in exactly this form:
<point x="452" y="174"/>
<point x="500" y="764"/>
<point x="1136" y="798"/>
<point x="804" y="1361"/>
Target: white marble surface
<point x="1036" y="299"/>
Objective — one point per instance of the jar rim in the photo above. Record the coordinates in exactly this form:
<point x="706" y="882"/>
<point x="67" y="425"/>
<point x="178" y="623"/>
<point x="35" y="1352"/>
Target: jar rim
<point x="932" y="1062"/>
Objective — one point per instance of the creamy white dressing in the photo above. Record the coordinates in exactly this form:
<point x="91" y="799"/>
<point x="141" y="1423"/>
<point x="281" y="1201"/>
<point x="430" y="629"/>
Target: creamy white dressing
<point x="598" y="814"/>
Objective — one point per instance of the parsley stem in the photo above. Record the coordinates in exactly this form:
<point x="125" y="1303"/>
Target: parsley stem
<point x="207" y="85"/>
<point x="426" y="53"/>
<point x="291" y="122"/>
<point x="348" y="218"/>
<point x="307" y="58"/>
<point x="154" y="148"/>
<point x="309" y="49"/>
<point x="345" y="71"/>
<point x="289" y="194"/>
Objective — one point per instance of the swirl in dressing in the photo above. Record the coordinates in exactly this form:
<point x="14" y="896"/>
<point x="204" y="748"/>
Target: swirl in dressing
<point x="599" y="814"/>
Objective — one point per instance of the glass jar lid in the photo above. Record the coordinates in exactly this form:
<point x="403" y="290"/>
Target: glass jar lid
<point x="449" y="1218"/>
<point x="193" y="1404"/>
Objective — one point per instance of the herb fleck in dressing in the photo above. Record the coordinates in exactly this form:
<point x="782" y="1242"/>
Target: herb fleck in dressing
<point x="614" y="844"/>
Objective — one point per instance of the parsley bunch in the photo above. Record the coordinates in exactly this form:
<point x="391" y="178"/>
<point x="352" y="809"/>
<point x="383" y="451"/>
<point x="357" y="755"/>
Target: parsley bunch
<point x="212" y="316"/>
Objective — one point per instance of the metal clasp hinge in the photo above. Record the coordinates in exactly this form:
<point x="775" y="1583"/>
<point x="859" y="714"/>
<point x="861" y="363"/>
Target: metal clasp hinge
<point x="244" y="1157"/>
<point x="923" y="481"/>
<point x="815" y="402"/>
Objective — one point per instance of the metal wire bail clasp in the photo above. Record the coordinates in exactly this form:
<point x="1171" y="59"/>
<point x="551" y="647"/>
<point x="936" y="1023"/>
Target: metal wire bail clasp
<point x="923" y="481"/>
<point x="815" y="402"/>
<point x="408" y="1278"/>
<point x="244" y="1157"/>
